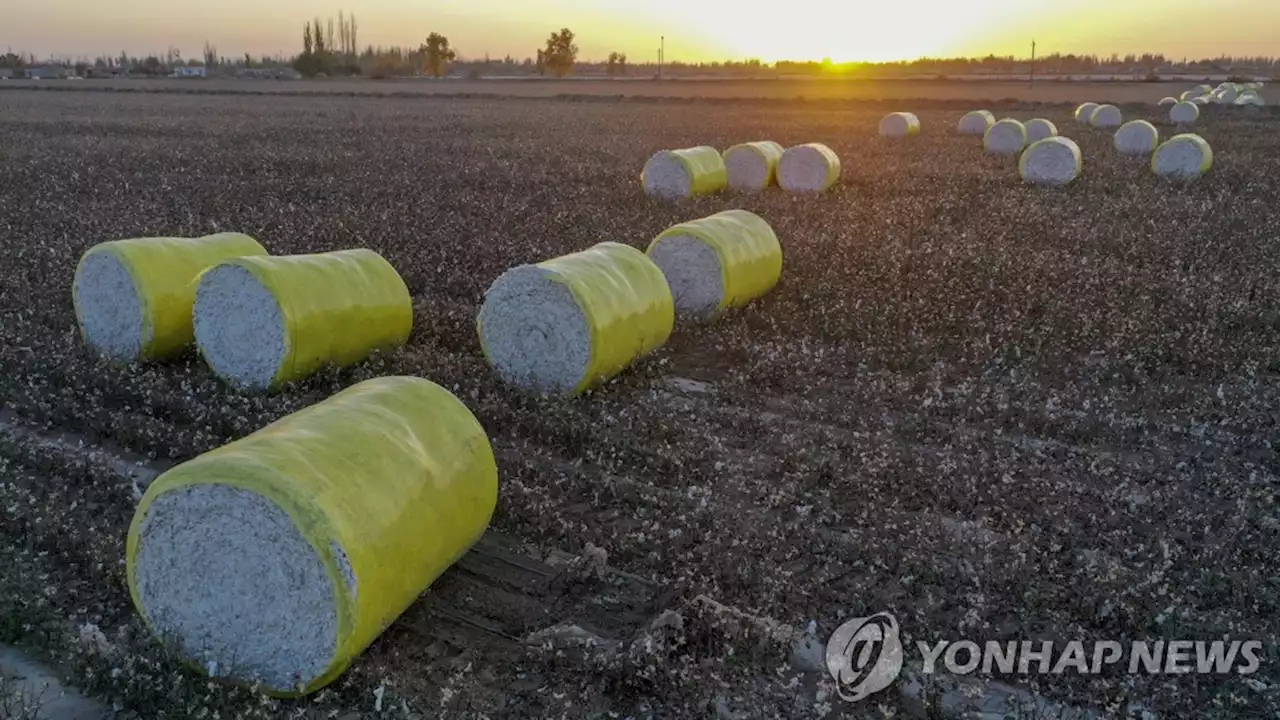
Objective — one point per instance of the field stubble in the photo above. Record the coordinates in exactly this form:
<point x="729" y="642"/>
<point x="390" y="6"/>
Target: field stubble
<point x="997" y="411"/>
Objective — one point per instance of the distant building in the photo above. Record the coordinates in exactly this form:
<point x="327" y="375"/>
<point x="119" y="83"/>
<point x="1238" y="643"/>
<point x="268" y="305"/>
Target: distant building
<point x="188" y="71"/>
<point x="5" y="73"/>
<point x="46" y="72"/>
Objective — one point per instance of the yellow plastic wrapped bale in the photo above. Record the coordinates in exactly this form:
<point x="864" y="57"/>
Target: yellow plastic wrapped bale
<point x="1182" y="157"/>
<point x="133" y="297"/>
<point x="567" y="324"/>
<point x="721" y="261"/>
<point x="753" y="166"/>
<point x="264" y="321"/>
<point x="277" y="559"/>
<point x="808" y="168"/>
<point x="676" y="174"/>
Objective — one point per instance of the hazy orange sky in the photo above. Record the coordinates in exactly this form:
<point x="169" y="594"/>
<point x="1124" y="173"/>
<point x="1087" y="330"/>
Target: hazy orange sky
<point x="695" y="29"/>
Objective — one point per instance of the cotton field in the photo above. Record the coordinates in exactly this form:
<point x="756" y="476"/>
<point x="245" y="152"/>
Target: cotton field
<point x="618" y="409"/>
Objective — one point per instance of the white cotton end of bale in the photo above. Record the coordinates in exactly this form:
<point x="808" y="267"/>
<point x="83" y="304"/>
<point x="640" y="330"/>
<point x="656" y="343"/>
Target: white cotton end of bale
<point x="899" y="125"/>
<point x="1085" y="112"/>
<point x="1182" y="157"/>
<point x="694" y="274"/>
<point x="807" y="169"/>
<point x="976" y="123"/>
<point x="1006" y="137"/>
<point x="1201" y="89"/>
<point x="533" y="331"/>
<point x="1164" y="102"/>
<point x="1106" y="116"/>
<point x="1137" y="137"/>
<point x="666" y="176"/>
<point x="1053" y="161"/>
<point x="1039" y="129"/>
<point x="239" y="327"/>
<point x="108" y="307"/>
<point x="748" y="169"/>
<point x="1189" y="95"/>
<point x="274" y="616"/>
<point x="1184" y="112"/>
<point x="1228" y="95"/>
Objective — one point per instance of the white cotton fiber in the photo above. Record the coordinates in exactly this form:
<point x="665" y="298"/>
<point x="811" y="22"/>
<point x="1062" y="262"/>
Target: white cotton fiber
<point x="273" y="617"/>
<point x="976" y="123"/>
<point x="899" y="125"/>
<point x="1006" y="137"/>
<point x="1184" y="113"/>
<point x="1106" y="116"/>
<point x="1182" y="157"/>
<point x="808" y="168"/>
<point x="108" y="307"/>
<point x="1039" y="129"/>
<point x="1164" y="102"/>
<point x="1053" y="161"/>
<point x="1137" y="137"/>
<point x="666" y="176"/>
<point x="534" y="332"/>
<point x="748" y="166"/>
<point x="1085" y="112"/>
<point x="693" y="272"/>
<point x="239" y="327"/>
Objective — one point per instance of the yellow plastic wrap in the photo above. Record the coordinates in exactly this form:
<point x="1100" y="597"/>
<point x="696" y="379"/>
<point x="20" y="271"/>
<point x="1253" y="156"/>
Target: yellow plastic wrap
<point x="396" y="471"/>
<point x="748" y="249"/>
<point x="768" y="150"/>
<point x="706" y="170"/>
<point x="164" y="270"/>
<point x="338" y="307"/>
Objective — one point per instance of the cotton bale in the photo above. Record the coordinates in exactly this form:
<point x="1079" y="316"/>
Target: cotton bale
<point x="133" y="297"/>
<point x="1085" y="112"/>
<point x="1183" y="157"/>
<point x="722" y="261"/>
<point x="1006" y="137"/>
<point x="808" y="168"/>
<point x="752" y="166"/>
<point x="1052" y="161"/>
<point x="277" y="559"/>
<point x="1137" y="137"/>
<point x="1039" y="129"/>
<point x="678" y="174"/>
<point x="976" y="123"/>
<point x="1249" y="97"/>
<point x="1167" y="101"/>
<point x="569" y="323"/>
<point x="1106" y="116"/>
<point x="1202" y="89"/>
<point x="261" y="322"/>
<point x="1202" y="100"/>
<point x="899" y="125"/>
<point x="1184" y="113"/>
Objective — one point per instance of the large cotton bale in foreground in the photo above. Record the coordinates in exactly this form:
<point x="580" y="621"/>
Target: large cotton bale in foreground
<point x="812" y="167"/>
<point x="718" y="262"/>
<point x="1039" y="129"/>
<point x="1006" y="137"/>
<point x="133" y="297"/>
<point x="264" y="321"/>
<point x="1184" y="113"/>
<point x="976" y="123"/>
<point x="753" y="166"/>
<point x="677" y="174"/>
<point x="1167" y="101"/>
<point x="1052" y="161"/>
<point x="899" y="125"/>
<point x="277" y="559"/>
<point x="1085" y="112"/>
<point x="1106" y="116"/>
<point x="1137" y="137"/>
<point x="566" y="324"/>
<point x="1182" y="157"/>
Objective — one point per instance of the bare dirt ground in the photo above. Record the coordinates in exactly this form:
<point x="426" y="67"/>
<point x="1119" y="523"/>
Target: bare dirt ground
<point x="1044" y="90"/>
<point x="998" y="412"/>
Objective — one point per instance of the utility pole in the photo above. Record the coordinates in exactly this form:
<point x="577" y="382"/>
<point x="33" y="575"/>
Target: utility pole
<point x="1033" y="62"/>
<point x="662" y="54"/>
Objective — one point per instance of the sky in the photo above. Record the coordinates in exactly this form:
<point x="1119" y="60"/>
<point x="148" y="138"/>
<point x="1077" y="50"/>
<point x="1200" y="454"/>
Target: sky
<point x="695" y="30"/>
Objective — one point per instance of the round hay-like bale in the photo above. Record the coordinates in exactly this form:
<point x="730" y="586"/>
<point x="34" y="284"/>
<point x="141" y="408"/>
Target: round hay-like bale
<point x="1201" y="89"/>
<point x="1039" y="129"/>
<point x="808" y="168"/>
<point x="976" y="123"/>
<point x="1085" y="112"/>
<point x="1137" y="137"/>
<point x="1252" y="100"/>
<point x="1184" y="113"/>
<point x="1190" y="95"/>
<point x="1006" y="137"/>
<point x="752" y="166"/>
<point x="277" y="559"/>
<point x="899" y="125"/>
<point x="569" y="323"/>
<point x="1052" y="161"/>
<point x="1182" y="157"/>
<point x="264" y="321"/>
<point x="1166" y="101"/>
<point x="1106" y="116"/>
<point x="679" y="174"/>
<point x="133" y="297"/>
<point x="718" y="262"/>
